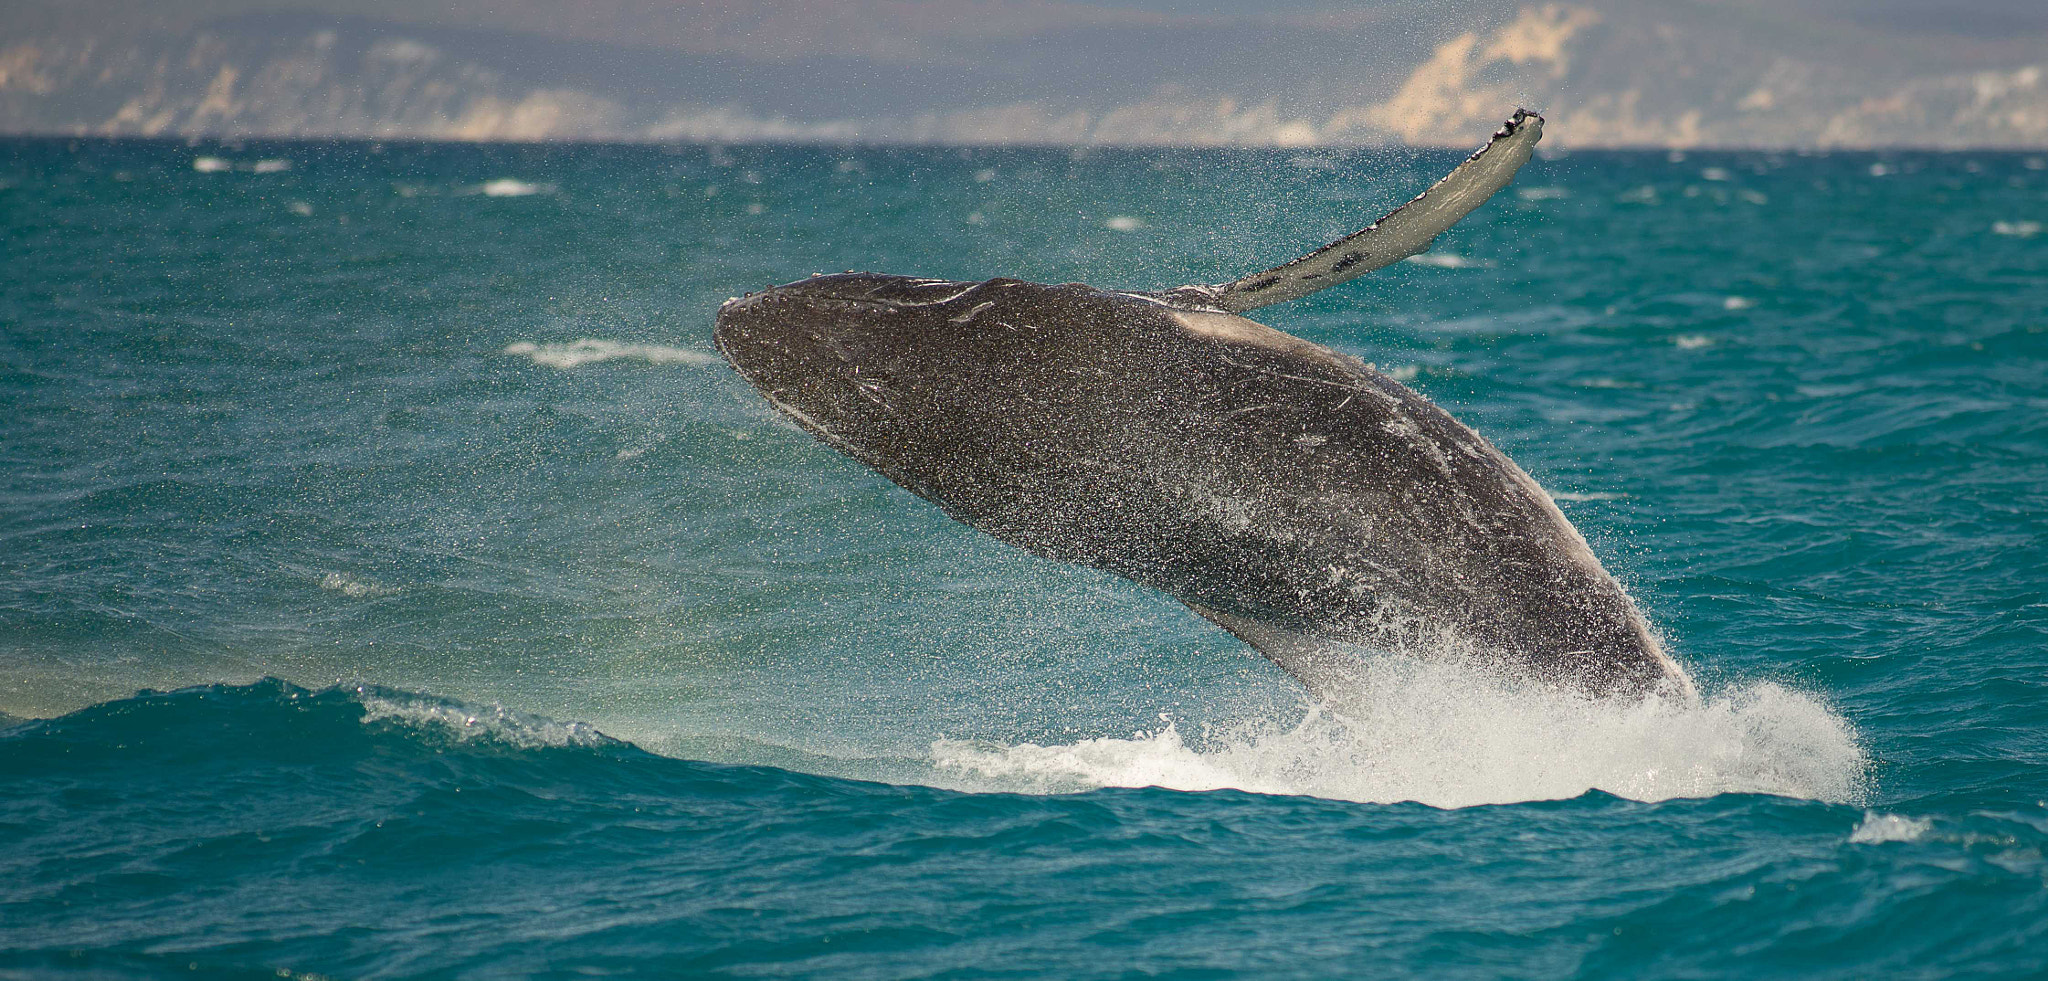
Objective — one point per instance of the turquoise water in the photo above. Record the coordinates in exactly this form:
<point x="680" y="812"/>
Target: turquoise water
<point x="490" y="627"/>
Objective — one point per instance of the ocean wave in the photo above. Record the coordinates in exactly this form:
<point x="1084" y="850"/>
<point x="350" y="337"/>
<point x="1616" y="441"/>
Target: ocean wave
<point x="1877" y="829"/>
<point x="590" y="351"/>
<point x="1456" y="736"/>
<point x="506" y="187"/>
<point x="466" y="722"/>
<point x="354" y="587"/>
<point x="221" y="165"/>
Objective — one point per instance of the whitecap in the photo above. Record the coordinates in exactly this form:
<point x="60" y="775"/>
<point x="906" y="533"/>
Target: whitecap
<point x="271" y="166"/>
<point x="1447" y="260"/>
<point x="467" y="723"/>
<point x="1877" y="829"/>
<point x="590" y="351"/>
<point x="212" y="165"/>
<point x="1692" y="342"/>
<point x="1124" y="223"/>
<point x="1450" y="735"/>
<point x="506" y="187"/>
<point x="1737" y="303"/>
<point x="2016" y="229"/>
<point x="354" y="587"/>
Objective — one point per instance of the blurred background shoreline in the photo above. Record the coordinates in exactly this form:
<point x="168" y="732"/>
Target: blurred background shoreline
<point x="1673" y="74"/>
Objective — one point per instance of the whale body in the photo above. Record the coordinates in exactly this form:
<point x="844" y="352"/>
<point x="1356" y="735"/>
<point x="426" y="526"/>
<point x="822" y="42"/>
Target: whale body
<point x="1287" y="492"/>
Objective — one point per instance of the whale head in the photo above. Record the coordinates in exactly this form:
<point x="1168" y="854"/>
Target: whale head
<point x="892" y="369"/>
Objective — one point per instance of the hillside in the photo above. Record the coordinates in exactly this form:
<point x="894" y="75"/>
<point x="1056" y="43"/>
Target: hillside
<point x="1673" y="73"/>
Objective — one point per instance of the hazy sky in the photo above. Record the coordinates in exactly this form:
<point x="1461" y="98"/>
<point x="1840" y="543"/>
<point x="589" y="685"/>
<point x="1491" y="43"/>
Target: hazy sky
<point x="1988" y="19"/>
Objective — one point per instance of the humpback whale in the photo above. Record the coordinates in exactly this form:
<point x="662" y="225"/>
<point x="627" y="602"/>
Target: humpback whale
<point x="1291" y="494"/>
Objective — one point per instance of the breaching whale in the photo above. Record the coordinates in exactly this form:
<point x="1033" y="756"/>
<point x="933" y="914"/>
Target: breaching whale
<point x="1291" y="494"/>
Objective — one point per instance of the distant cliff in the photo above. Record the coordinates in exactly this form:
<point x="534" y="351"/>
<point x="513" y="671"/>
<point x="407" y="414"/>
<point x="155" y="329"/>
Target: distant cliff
<point x="1667" y="75"/>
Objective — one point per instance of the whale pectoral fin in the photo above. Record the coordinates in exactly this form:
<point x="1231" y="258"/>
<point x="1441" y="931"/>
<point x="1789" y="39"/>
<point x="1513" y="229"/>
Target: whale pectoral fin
<point x="1407" y="230"/>
<point x="1318" y="664"/>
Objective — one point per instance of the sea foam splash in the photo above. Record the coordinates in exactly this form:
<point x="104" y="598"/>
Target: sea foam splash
<point x="587" y="351"/>
<point x="506" y="187"/>
<point x="1453" y="735"/>
<point x="465" y="723"/>
<point x="1878" y="829"/>
<point x="1448" y="260"/>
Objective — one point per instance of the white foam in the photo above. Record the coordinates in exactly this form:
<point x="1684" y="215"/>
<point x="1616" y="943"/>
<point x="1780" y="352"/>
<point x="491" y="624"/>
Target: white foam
<point x="468" y="723"/>
<point x="1737" y="303"/>
<point x="212" y="165"/>
<point x="589" y="351"/>
<point x="1456" y="736"/>
<point x="271" y="166"/>
<point x="2016" y="229"/>
<point x="506" y="187"/>
<point x="1446" y="260"/>
<point x="353" y="587"/>
<point x="1877" y="829"/>
<point x="1692" y="342"/>
<point x="1124" y="223"/>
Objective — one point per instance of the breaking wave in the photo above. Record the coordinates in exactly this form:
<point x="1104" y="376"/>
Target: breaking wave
<point x="589" y="351"/>
<point x="1449" y="735"/>
<point x="506" y="187"/>
<point x="466" y="722"/>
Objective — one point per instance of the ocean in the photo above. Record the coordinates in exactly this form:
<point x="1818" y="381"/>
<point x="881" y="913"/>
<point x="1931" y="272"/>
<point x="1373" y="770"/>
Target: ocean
<point x="394" y="583"/>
